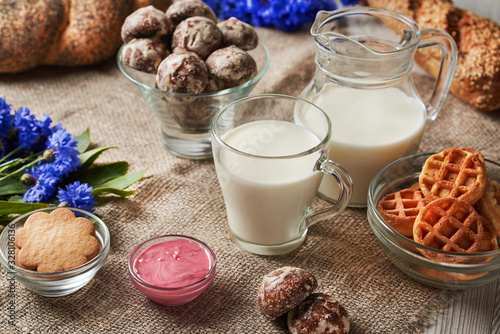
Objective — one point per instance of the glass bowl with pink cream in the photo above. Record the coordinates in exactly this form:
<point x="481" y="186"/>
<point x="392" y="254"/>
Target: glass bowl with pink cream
<point x="172" y="269"/>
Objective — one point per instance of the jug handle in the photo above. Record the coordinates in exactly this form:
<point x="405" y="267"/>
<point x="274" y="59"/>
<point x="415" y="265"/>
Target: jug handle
<point x="449" y="55"/>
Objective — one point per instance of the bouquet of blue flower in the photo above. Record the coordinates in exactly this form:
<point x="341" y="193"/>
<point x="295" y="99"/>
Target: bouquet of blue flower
<point x="287" y="15"/>
<point x="43" y="165"/>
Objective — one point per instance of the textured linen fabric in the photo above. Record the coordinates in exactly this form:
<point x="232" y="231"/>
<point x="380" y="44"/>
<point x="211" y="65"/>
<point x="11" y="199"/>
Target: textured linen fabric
<point x="179" y="196"/>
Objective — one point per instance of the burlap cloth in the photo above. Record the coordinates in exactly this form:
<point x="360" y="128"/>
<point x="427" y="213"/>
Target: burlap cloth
<point x="183" y="196"/>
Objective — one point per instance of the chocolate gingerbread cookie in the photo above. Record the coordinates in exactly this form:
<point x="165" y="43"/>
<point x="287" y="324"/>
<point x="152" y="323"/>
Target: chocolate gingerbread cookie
<point x="146" y="22"/>
<point x="144" y="54"/>
<point x="238" y="33"/>
<point x="183" y="72"/>
<point x="197" y="34"/>
<point x="282" y="289"/>
<point x="317" y="314"/>
<point x="231" y="66"/>
<point x="181" y="10"/>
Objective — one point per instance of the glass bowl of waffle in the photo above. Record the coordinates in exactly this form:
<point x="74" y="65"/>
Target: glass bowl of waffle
<point x="437" y="216"/>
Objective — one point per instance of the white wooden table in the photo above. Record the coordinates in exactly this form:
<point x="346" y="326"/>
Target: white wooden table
<point x="477" y="311"/>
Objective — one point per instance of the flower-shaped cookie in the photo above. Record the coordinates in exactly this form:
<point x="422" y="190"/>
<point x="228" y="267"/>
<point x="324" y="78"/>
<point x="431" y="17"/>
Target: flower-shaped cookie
<point x="55" y="242"/>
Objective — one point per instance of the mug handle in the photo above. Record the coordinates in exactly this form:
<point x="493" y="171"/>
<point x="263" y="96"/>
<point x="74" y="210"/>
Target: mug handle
<point x="344" y="181"/>
<point x="444" y="77"/>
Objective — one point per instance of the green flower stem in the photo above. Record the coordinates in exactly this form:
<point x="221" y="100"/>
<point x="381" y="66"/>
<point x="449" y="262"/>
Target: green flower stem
<point x="14" y="151"/>
<point x="12" y="163"/>
<point x="22" y="169"/>
<point x="9" y="164"/>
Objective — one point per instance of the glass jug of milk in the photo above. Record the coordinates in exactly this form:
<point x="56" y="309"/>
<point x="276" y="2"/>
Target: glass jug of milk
<point x="364" y="59"/>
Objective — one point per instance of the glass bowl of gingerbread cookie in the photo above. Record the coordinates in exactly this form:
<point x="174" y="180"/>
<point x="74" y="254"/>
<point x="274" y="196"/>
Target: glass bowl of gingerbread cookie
<point x="186" y="64"/>
<point x="54" y="251"/>
<point x="437" y="216"/>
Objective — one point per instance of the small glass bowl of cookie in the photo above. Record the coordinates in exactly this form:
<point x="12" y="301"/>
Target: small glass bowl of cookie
<point x="437" y="216"/>
<point x="54" y="251"/>
<point x="186" y="64"/>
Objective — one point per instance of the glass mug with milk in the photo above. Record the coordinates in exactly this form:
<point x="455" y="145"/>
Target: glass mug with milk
<point x="270" y="153"/>
<point x="364" y="59"/>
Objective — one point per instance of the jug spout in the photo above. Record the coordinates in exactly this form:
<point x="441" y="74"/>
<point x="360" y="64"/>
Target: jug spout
<point x="331" y="38"/>
<point x="321" y="17"/>
<point x="362" y="48"/>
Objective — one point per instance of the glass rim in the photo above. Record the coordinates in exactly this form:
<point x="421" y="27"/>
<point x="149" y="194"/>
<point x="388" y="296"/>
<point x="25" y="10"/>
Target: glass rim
<point x="328" y="16"/>
<point x="227" y="91"/>
<point x="152" y="241"/>
<point x="394" y="234"/>
<point x="323" y="142"/>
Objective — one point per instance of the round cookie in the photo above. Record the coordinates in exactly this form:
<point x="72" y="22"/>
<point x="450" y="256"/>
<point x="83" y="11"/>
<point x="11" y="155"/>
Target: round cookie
<point x="454" y="172"/>
<point x="474" y="151"/>
<point x="284" y="288"/>
<point x="146" y="22"/>
<point x="181" y="10"/>
<point x="319" y="313"/>
<point x="401" y="208"/>
<point x="450" y="225"/>
<point x="231" y="66"/>
<point x="182" y="73"/>
<point x="238" y="33"/>
<point x="144" y="54"/>
<point x="196" y="34"/>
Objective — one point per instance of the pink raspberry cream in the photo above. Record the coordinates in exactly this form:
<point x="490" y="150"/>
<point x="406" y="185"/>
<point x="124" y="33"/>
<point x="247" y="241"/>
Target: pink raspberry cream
<point x="172" y="269"/>
<point x="172" y="263"/>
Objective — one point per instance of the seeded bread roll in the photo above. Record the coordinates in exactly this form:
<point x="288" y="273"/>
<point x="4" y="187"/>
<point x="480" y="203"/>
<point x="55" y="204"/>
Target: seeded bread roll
<point x="62" y="32"/>
<point x="477" y="75"/>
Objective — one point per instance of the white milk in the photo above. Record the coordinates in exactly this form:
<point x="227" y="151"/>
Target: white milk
<point x="266" y="197"/>
<point x="370" y="129"/>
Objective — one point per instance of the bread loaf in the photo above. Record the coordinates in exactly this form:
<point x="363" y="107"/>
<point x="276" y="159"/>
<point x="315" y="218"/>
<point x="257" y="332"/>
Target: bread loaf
<point x="62" y="32"/>
<point x="477" y="75"/>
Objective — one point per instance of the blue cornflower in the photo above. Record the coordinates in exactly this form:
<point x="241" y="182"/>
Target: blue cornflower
<point x="45" y="177"/>
<point x="6" y="121"/>
<point x="55" y="128"/>
<point x="65" y="153"/>
<point x="43" y="126"/>
<point x="287" y="15"/>
<point x="78" y="196"/>
<point x="4" y="106"/>
<point x="32" y="133"/>
<point x="247" y="11"/>
<point x="35" y="193"/>
<point x="25" y="123"/>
